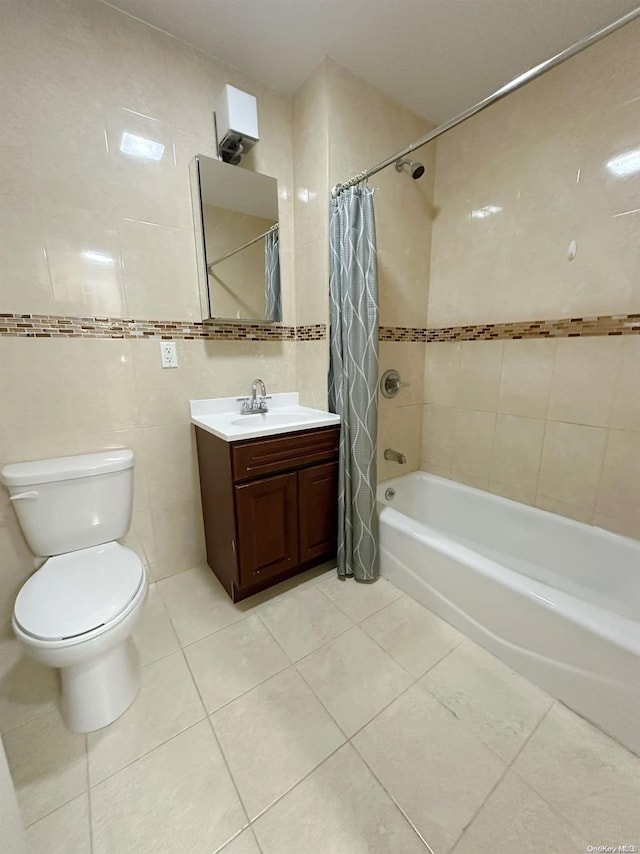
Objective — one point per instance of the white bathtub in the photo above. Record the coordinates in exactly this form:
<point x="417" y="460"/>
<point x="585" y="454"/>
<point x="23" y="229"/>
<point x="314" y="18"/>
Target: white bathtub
<point x="557" y="600"/>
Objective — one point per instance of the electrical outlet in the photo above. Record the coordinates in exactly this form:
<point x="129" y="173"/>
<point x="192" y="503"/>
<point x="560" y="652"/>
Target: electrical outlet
<point x="168" y="354"/>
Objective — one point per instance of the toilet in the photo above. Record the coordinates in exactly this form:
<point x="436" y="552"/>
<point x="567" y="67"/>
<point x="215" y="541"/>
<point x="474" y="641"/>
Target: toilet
<point x="77" y="612"/>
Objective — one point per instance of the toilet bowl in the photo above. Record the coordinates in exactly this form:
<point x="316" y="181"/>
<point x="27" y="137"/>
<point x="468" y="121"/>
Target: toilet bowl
<point x="78" y="611"/>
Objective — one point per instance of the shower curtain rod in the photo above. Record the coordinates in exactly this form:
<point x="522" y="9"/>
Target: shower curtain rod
<point x="244" y="246"/>
<point x="512" y="86"/>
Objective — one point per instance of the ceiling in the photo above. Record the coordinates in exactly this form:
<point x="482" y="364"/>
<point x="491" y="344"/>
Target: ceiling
<point x="437" y="57"/>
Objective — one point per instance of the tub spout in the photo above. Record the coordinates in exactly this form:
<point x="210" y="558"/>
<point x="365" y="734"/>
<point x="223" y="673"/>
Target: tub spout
<point x="395" y="456"/>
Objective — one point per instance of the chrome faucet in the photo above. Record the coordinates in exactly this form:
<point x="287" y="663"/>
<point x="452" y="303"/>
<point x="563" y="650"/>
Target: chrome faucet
<point x="395" y="456"/>
<point x="252" y="405"/>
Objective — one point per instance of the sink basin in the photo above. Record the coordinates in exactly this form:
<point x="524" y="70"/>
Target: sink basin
<point x="274" y="418"/>
<point x="221" y="417"/>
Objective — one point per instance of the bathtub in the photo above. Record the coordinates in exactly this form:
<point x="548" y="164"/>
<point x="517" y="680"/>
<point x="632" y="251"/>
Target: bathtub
<point x="557" y="600"/>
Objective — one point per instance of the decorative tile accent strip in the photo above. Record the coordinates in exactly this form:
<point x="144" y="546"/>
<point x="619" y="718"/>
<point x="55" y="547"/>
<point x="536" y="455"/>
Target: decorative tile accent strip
<point x="56" y="326"/>
<point x="571" y="327"/>
<point x="311" y="332"/>
<point x="402" y="333"/>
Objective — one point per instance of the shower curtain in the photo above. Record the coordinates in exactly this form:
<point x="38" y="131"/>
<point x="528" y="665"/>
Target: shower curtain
<point x="353" y="377"/>
<point x="273" y="310"/>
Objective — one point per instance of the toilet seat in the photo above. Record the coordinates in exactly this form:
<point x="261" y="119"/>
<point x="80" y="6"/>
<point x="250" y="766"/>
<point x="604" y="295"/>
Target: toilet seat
<point x="79" y="594"/>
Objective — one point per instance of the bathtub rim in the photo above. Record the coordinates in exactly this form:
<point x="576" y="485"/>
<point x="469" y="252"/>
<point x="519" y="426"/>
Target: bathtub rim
<point x="620" y="630"/>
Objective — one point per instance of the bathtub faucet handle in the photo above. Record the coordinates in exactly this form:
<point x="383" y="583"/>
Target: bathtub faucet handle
<point x="390" y="383"/>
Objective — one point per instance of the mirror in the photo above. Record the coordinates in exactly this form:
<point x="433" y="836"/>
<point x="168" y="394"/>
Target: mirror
<point x="237" y="233"/>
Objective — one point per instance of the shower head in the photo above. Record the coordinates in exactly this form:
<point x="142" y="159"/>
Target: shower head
<point x="416" y="170"/>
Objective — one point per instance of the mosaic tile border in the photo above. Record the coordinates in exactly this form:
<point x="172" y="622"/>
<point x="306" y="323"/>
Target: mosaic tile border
<point x="58" y="326"/>
<point x="571" y="327"/>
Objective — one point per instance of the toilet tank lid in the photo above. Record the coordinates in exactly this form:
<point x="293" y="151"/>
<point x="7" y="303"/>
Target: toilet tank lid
<point x="66" y="468"/>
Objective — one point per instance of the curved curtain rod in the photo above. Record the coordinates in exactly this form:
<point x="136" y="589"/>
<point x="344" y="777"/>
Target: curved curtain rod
<point x="512" y="86"/>
<point x="244" y="246"/>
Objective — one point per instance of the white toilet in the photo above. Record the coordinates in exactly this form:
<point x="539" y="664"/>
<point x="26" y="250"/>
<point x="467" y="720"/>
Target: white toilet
<point x="78" y="611"/>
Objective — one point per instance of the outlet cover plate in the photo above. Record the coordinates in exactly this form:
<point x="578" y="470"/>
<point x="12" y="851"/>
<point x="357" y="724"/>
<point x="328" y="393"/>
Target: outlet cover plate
<point x="168" y="354"/>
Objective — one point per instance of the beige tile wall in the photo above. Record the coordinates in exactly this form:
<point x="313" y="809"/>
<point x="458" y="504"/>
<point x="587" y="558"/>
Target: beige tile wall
<point x="86" y="230"/>
<point x="516" y="184"/>
<point x="555" y="424"/>
<point x="365" y="126"/>
<point x="311" y="181"/>
<point x="550" y="423"/>
<point x="65" y="396"/>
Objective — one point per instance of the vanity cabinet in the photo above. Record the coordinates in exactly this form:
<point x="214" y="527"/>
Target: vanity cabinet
<point x="269" y="505"/>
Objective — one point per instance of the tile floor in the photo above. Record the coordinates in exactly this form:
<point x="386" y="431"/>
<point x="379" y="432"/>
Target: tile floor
<point x="318" y="718"/>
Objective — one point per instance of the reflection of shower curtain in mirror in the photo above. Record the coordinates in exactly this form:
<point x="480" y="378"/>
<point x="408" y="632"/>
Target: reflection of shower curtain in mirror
<point x="273" y="310"/>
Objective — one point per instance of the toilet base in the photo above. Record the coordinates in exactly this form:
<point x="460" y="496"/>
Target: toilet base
<point x="96" y="692"/>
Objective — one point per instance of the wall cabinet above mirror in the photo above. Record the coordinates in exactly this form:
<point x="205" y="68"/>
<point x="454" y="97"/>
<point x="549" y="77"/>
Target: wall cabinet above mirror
<point x="238" y="240"/>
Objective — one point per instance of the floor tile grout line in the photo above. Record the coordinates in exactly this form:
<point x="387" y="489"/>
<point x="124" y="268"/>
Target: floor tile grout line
<point x="565" y="820"/>
<point x="296" y="661"/>
<point x="161" y="743"/>
<point x="166" y="741"/>
<point x="68" y="800"/>
<point x="318" y="766"/>
<point x="217" y="740"/>
<point x="533" y="732"/>
<point x="310" y="687"/>
<point x="384" y="709"/>
<point x="249" y="690"/>
<point x="400" y="809"/>
<point x="307" y="584"/>
<point x="467" y="639"/>
<point x="90" y="815"/>
<point x="54" y="709"/>
<point x="49" y="812"/>
<point x="5" y="732"/>
<point x="255" y="838"/>
<point x="446" y="655"/>
<point x="388" y="654"/>
<point x="147" y="753"/>
<point x="399" y="663"/>
<point x="360" y="620"/>
<point x="247" y="829"/>
<point x="295" y="785"/>
<point x="294" y="664"/>
<point x="232" y="778"/>
<point x="415" y="681"/>
<point x="384" y="788"/>
<point x="508" y="766"/>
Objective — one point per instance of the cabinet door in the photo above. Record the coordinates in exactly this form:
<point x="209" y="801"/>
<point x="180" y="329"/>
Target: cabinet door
<point x="317" y="510"/>
<point x="267" y="527"/>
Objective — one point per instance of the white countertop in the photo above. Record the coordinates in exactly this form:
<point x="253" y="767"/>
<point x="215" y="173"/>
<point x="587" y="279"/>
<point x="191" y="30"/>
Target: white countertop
<point x="221" y="416"/>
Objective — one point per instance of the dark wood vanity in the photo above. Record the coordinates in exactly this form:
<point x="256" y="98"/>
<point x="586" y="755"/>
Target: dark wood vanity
<point x="269" y="505"/>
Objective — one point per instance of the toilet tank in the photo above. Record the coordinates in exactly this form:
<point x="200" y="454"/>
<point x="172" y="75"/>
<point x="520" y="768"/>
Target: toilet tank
<point x="72" y="503"/>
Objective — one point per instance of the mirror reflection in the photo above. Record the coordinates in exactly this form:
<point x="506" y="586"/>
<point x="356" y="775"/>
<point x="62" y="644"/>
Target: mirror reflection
<point x="238" y="212"/>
